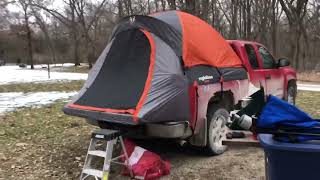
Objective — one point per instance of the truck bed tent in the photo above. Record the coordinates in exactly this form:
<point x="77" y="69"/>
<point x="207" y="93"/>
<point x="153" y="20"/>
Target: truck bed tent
<point x="144" y="73"/>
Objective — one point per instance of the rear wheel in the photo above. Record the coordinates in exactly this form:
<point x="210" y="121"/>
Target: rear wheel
<point x="291" y="93"/>
<point x="217" y="119"/>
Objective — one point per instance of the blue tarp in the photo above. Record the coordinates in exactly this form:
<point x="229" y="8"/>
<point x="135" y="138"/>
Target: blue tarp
<point x="278" y="114"/>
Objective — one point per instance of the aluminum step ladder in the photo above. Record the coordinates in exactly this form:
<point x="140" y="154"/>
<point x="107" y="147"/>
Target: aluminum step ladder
<point x="111" y="137"/>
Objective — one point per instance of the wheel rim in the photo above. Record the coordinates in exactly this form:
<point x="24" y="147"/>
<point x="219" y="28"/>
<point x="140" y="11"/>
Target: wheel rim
<point x="290" y="95"/>
<point x="218" y="131"/>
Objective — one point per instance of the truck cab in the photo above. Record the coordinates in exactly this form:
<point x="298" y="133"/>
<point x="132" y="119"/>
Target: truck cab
<point x="264" y="70"/>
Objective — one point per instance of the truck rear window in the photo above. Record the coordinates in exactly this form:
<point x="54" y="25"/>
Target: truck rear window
<point x="252" y="56"/>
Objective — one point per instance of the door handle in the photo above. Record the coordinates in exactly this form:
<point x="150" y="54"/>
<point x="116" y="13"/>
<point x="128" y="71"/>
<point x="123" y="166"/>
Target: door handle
<point x="268" y="76"/>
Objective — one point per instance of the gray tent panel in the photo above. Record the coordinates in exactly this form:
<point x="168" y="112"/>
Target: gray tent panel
<point x="169" y="87"/>
<point x="93" y="72"/>
<point x="170" y="17"/>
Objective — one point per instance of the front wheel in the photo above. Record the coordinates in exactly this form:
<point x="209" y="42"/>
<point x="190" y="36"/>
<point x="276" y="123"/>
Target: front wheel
<point x="217" y="119"/>
<point x="291" y="93"/>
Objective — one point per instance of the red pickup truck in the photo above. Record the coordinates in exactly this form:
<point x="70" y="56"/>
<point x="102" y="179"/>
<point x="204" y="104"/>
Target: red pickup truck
<point x="214" y="101"/>
<point x="275" y="76"/>
<point x="171" y="75"/>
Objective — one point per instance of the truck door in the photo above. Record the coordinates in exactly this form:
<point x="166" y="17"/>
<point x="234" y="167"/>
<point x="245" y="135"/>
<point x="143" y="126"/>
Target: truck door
<point x="254" y="68"/>
<point x="273" y="76"/>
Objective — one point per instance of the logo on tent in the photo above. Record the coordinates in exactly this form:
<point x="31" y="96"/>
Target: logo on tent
<point x="206" y="77"/>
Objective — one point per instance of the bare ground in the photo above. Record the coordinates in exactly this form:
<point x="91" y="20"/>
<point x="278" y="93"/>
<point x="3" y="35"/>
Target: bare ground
<point x="311" y="76"/>
<point x="44" y="143"/>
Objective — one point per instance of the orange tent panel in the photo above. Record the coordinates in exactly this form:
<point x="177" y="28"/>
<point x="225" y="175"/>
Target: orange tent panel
<point x="203" y="45"/>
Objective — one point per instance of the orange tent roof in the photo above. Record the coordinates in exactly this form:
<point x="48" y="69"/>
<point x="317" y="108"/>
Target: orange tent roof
<point x="203" y="45"/>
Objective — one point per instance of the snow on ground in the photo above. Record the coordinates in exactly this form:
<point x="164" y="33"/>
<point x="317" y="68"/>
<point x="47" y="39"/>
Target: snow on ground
<point x="14" y="74"/>
<point x="12" y="100"/>
<point x="308" y="87"/>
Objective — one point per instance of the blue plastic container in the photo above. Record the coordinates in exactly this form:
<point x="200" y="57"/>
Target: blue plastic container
<point x="291" y="161"/>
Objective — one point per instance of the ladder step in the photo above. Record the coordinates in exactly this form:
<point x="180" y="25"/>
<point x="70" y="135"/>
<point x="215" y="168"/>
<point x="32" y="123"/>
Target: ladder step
<point x="97" y="153"/>
<point x="93" y="172"/>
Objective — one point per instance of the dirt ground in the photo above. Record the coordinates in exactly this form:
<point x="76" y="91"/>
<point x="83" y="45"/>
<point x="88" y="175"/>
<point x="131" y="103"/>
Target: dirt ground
<point x="46" y="144"/>
<point x="313" y="77"/>
<point x="43" y="143"/>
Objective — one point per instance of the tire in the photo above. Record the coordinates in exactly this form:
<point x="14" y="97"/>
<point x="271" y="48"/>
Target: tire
<point x="217" y="118"/>
<point x="291" y="93"/>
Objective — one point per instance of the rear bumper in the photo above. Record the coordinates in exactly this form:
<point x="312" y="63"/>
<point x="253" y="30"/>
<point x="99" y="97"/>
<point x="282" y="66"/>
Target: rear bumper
<point x="137" y="129"/>
<point x="169" y="130"/>
<point x="180" y="130"/>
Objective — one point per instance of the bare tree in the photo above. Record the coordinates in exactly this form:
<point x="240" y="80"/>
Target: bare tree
<point x="191" y="6"/>
<point x="295" y="11"/>
<point x="25" y="7"/>
<point x="86" y="26"/>
<point x="40" y="21"/>
<point x="4" y="13"/>
<point x="172" y="4"/>
<point x="287" y="27"/>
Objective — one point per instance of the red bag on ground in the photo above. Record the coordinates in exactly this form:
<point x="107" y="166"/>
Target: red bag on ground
<point x="144" y="164"/>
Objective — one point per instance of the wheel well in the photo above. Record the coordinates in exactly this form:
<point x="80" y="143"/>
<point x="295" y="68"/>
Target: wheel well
<point x="225" y="98"/>
<point x="292" y="82"/>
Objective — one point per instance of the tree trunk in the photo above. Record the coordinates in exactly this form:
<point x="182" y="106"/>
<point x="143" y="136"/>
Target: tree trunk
<point x="45" y="31"/>
<point x="128" y="6"/>
<point x="89" y="50"/>
<point x="234" y="20"/>
<point x="157" y="5"/>
<point x="295" y="12"/>
<point x="149" y="7"/>
<point x="244" y="19"/>
<point x="163" y="5"/>
<point x="274" y="26"/>
<point x="248" y="6"/>
<point x="205" y="10"/>
<point x="191" y="6"/>
<point x="120" y="9"/>
<point x="213" y="11"/>
<point x="240" y="20"/>
<point x="172" y="4"/>
<point x="197" y="8"/>
<point x="74" y="36"/>
<point x="75" y="42"/>
<point x="29" y="40"/>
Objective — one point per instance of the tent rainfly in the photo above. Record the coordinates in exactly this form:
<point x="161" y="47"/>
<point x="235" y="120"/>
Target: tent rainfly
<point x="145" y="73"/>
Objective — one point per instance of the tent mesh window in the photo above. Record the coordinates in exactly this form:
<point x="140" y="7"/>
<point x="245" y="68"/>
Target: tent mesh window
<point x="122" y="77"/>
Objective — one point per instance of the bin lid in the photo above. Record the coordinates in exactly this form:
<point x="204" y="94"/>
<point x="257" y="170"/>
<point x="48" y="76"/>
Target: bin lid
<point x="268" y="142"/>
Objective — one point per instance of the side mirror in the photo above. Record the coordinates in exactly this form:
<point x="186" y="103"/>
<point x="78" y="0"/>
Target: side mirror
<point x="283" y="62"/>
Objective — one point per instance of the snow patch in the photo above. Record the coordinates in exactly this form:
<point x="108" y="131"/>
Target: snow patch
<point x="15" y="74"/>
<point x="309" y="87"/>
<point x="12" y="100"/>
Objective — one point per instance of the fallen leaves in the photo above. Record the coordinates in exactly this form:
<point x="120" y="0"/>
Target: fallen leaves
<point x="21" y="144"/>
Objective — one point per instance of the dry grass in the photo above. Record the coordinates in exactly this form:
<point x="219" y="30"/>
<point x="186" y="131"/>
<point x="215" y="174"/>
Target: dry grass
<point x="309" y="76"/>
<point x="73" y="69"/>
<point x="43" y="87"/>
<point x="42" y="144"/>
<point x="309" y="102"/>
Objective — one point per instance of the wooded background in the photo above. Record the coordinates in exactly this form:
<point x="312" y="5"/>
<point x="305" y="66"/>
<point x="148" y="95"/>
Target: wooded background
<point x="77" y="30"/>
